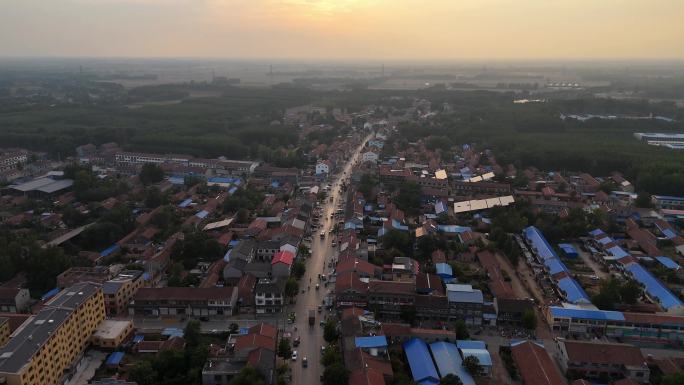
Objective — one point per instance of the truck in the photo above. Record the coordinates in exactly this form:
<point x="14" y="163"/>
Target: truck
<point x="312" y="317"/>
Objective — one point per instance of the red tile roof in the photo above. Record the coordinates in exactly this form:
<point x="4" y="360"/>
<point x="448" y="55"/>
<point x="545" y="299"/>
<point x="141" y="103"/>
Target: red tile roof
<point x="394" y="287"/>
<point x="285" y="257"/>
<point x="350" y="281"/>
<point x="264" y="329"/>
<point x="535" y="365"/>
<point x="250" y="341"/>
<point x="604" y="353"/>
<point x="356" y="265"/>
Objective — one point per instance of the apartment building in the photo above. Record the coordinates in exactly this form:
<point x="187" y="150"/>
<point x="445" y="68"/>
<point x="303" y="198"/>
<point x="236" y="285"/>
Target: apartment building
<point x="44" y="350"/>
<point x="119" y="290"/>
<point x="388" y="298"/>
<point x="12" y="159"/>
<point x="184" y="301"/>
<point x="4" y="330"/>
<point x="268" y="296"/>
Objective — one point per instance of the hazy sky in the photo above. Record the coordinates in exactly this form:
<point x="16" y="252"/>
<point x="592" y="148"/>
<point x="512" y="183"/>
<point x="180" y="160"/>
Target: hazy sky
<point x="333" y="29"/>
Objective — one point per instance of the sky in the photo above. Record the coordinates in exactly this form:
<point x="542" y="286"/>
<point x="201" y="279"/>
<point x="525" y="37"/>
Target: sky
<point x="344" y="29"/>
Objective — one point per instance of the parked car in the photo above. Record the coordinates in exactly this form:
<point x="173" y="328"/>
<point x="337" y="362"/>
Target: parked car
<point x="294" y="355"/>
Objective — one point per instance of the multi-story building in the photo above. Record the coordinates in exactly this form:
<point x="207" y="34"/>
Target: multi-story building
<point x="4" y="330"/>
<point x="388" y="298"/>
<point x="465" y="303"/>
<point x="44" y="350"/>
<point x="598" y="360"/>
<point x="184" y="301"/>
<point x="119" y="290"/>
<point x="14" y="300"/>
<point x="74" y="275"/>
<point x="268" y="296"/>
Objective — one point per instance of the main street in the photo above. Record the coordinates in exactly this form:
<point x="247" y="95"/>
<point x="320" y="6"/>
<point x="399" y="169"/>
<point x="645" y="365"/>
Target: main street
<point x="322" y="253"/>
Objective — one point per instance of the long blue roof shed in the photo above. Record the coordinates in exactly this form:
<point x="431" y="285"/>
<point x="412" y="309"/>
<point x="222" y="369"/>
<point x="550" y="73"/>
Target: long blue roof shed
<point x="449" y="361"/>
<point x="422" y="367"/>
<point x="540" y="244"/>
<point x="654" y="287"/>
<point x="573" y="291"/>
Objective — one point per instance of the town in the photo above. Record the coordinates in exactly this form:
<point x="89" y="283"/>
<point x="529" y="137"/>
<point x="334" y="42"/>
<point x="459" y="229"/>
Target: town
<point x="379" y="261"/>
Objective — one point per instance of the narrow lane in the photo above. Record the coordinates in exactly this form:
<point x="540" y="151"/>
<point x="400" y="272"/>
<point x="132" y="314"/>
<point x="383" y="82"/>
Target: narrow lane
<point x="322" y="253"/>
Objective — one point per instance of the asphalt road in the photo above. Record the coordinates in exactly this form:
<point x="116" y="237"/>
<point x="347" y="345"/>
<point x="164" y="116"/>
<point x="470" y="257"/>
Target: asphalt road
<point x="322" y="253"/>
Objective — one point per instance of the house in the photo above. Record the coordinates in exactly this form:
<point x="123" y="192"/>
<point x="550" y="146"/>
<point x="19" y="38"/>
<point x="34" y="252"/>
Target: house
<point x="323" y="167"/>
<point x="370" y="157"/>
<point x="268" y="296"/>
<point x="281" y="264"/>
<point x="14" y="299"/>
<point x="234" y="271"/>
<point x="598" y="360"/>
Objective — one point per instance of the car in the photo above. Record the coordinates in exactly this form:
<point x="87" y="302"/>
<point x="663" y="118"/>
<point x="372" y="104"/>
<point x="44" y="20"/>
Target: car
<point x="320" y="308"/>
<point x="317" y="286"/>
<point x="297" y="341"/>
<point x="294" y="355"/>
<point x="305" y="363"/>
<point x="322" y="349"/>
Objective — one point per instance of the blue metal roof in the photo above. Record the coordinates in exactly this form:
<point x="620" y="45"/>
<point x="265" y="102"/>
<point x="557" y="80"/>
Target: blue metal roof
<point x="573" y="291"/>
<point x="471" y="344"/>
<point x="618" y="252"/>
<point x="596" y="232"/>
<point x="115" y="358"/>
<point x="108" y="251"/>
<point x="202" y="214"/>
<point x="185" y="203"/>
<point x="449" y="361"/>
<point x="452" y="229"/>
<point x="440" y="207"/>
<point x="398" y="225"/>
<point x="49" y="294"/>
<point x="540" y="244"/>
<point x="669" y="234"/>
<point x="568" y="249"/>
<point x="482" y="355"/>
<point x="371" y="342"/>
<point x="138" y="338"/>
<point x="667" y="262"/>
<point x="597" y="315"/>
<point x="555" y="266"/>
<point x="172" y="332"/>
<point x="177" y="180"/>
<point x="653" y="286"/>
<point x="444" y="270"/>
<point x="422" y="367"/>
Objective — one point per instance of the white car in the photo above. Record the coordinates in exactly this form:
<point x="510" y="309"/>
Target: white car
<point x="294" y="355"/>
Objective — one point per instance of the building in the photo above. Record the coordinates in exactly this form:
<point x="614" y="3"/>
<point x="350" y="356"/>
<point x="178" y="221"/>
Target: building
<point x="510" y="310"/>
<point x="11" y="160"/>
<point x="449" y="361"/>
<point x="465" y="303"/>
<point x="45" y="349"/>
<point x="534" y="364"/>
<point x="14" y="300"/>
<point x="323" y="167"/>
<point x="110" y="334"/>
<point x="420" y="362"/>
<point x="388" y="298"/>
<point x="370" y="157"/>
<point x="281" y="264"/>
<point x="257" y="348"/>
<point x="659" y="139"/>
<point x="119" y="291"/>
<point x="74" y="275"/>
<point x="184" y="302"/>
<point x="601" y="360"/>
<point x="268" y="296"/>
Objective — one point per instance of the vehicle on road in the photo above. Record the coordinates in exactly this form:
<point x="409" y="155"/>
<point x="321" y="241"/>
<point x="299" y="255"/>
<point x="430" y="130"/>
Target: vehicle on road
<point x="318" y="286"/>
<point x="312" y="317"/>
<point x="320" y="308"/>
<point x="297" y="341"/>
<point x="294" y="355"/>
<point x="322" y="234"/>
<point x="305" y="363"/>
